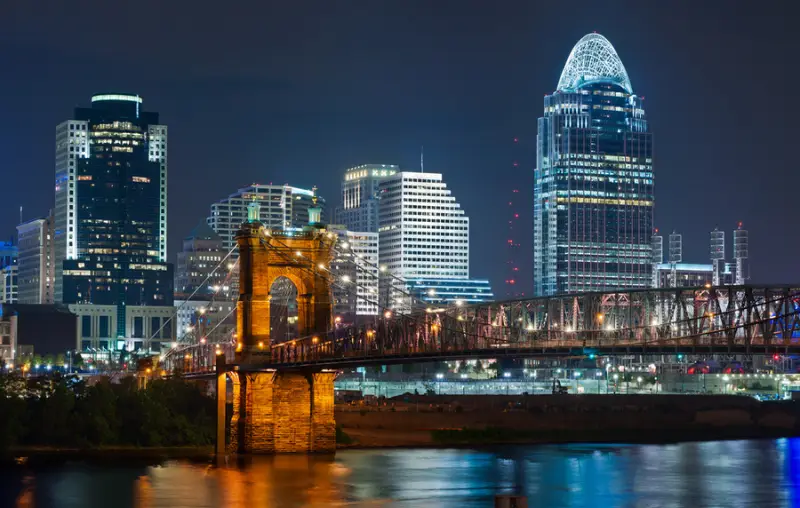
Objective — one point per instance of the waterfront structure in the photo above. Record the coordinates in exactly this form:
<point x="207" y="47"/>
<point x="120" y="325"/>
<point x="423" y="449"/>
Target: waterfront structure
<point x="717" y="255"/>
<point x="359" y="208"/>
<point x="593" y="182"/>
<point x="200" y="260"/>
<point x="36" y="273"/>
<point x="657" y="256"/>
<point x="676" y="273"/>
<point x="147" y="329"/>
<point x="451" y="291"/>
<point x="111" y="209"/>
<point x="683" y="275"/>
<point x="356" y="264"/>
<point x="423" y="231"/>
<point x="282" y="206"/>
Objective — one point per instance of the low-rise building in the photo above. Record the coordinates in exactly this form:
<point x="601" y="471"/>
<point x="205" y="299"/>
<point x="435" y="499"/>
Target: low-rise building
<point x="151" y="328"/>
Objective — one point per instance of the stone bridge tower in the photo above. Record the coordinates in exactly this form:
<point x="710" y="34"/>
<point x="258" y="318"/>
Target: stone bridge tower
<point x="266" y="255"/>
<point x="278" y="410"/>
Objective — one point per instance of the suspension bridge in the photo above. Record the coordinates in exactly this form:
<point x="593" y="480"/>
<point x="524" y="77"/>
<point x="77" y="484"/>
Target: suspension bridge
<point x="282" y="366"/>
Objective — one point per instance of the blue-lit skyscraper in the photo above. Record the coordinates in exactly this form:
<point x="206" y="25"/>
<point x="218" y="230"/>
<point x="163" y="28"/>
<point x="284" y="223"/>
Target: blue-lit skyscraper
<point x="593" y="183"/>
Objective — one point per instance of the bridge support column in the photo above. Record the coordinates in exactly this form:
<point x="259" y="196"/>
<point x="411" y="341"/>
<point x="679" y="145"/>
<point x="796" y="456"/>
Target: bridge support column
<point x="323" y="424"/>
<point x="235" y="426"/>
<point x="221" y="399"/>
<point x="287" y="411"/>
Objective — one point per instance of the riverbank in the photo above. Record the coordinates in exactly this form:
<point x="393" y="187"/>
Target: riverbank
<point x="430" y="421"/>
<point x="464" y="421"/>
<point x="44" y="455"/>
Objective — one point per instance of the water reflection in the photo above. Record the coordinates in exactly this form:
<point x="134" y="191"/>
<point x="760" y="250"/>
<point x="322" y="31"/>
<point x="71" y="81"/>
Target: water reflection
<point x="729" y="474"/>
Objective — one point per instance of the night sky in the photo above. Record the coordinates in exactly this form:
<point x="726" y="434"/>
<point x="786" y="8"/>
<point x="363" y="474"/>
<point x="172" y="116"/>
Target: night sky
<point x="295" y="92"/>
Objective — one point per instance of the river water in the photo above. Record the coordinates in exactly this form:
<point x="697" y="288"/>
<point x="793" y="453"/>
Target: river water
<point x="755" y="473"/>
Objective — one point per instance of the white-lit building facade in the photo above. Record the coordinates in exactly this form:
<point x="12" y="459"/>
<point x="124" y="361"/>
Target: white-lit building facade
<point x="36" y="273"/>
<point x="359" y="208"/>
<point x="282" y="206"/>
<point x="356" y="269"/>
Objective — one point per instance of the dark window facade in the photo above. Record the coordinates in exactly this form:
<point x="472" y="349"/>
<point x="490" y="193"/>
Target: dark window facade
<point x="117" y="213"/>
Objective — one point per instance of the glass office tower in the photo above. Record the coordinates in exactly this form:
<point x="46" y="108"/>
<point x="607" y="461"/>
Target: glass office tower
<point x="110" y="215"/>
<point x="593" y="183"/>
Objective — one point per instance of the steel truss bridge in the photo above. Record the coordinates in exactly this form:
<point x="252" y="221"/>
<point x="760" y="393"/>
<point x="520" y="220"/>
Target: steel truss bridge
<point x="747" y="320"/>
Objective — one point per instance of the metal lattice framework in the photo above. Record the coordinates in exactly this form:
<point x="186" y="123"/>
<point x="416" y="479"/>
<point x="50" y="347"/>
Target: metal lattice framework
<point x="593" y="59"/>
<point x="731" y="319"/>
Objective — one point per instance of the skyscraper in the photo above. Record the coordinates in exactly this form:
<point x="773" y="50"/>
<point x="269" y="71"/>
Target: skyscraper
<point x="36" y="261"/>
<point x="424" y="233"/>
<point x="111" y="208"/>
<point x="359" y="208"/>
<point x="593" y="183"/>
<point x="424" y="244"/>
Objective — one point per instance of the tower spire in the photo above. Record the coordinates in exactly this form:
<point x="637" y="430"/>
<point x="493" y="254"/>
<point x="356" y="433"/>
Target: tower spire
<point x="422" y="159"/>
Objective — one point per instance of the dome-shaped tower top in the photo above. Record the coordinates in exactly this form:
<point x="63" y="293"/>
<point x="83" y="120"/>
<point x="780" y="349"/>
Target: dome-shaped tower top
<point x="593" y="60"/>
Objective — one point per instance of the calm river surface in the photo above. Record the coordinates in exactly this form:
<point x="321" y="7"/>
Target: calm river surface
<point x="760" y="474"/>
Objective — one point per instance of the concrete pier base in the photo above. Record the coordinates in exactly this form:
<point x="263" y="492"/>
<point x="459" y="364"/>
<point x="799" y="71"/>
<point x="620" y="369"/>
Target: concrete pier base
<point x="276" y="412"/>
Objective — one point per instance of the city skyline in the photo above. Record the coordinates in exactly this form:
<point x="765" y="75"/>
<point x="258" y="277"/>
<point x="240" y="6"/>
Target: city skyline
<point x="466" y="130"/>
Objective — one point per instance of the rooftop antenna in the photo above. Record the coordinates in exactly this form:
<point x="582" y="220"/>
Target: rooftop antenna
<point x="20" y="214"/>
<point x="422" y="159"/>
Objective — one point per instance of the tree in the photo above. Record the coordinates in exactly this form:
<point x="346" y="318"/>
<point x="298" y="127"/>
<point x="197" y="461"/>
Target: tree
<point x="60" y="360"/>
<point x="12" y="409"/>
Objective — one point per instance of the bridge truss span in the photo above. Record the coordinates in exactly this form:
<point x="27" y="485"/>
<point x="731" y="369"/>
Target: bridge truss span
<point x="730" y="319"/>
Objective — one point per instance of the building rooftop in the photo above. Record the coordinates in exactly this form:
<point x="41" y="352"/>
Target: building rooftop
<point x="202" y="231"/>
<point x="593" y="60"/>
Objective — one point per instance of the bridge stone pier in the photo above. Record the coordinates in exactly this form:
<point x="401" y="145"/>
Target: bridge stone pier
<point x="277" y="410"/>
